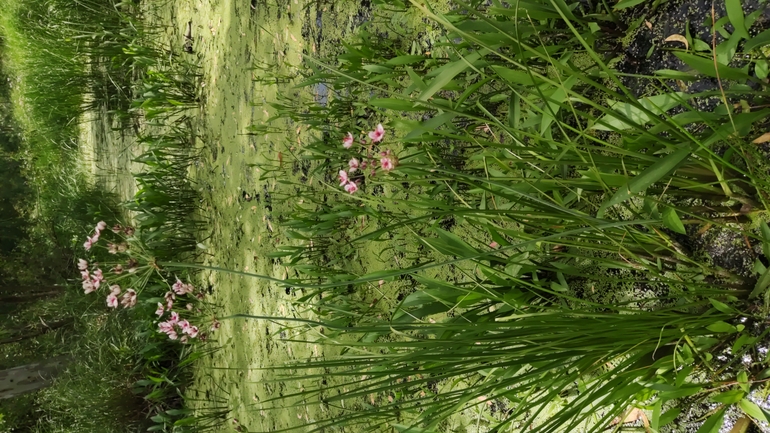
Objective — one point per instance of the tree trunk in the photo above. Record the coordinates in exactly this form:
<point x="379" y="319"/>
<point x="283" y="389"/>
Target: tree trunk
<point x="28" y="297"/>
<point x="31" y="332"/>
<point x="38" y="290"/>
<point x="31" y="377"/>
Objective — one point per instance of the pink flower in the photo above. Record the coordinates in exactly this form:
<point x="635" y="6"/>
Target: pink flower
<point x="129" y="298"/>
<point x="378" y="134"/>
<point x="88" y="244"/>
<point x="178" y="287"/>
<point x="172" y="335"/>
<point x="165" y="327"/>
<point x="353" y="165"/>
<point x="347" y="141"/>
<point x="115" y="289"/>
<point x="82" y="264"/>
<point x="351" y="187"/>
<point x="112" y="300"/>
<point x="192" y="331"/>
<point x="184" y="339"/>
<point x="174" y="319"/>
<point x="189" y="307"/>
<point x="88" y="287"/>
<point x="101" y="225"/>
<point x="343" y="177"/>
<point x="85" y="275"/>
<point x="117" y="270"/>
<point x="215" y="325"/>
<point x="387" y="164"/>
<point x="129" y="231"/>
<point x="112" y="248"/>
<point x="188" y="288"/>
<point x="493" y="244"/>
<point x="170" y="297"/>
<point x="95" y="237"/>
<point x="160" y="310"/>
<point x="183" y="325"/>
<point x="97" y="275"/>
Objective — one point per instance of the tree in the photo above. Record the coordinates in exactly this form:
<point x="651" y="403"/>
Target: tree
<point x="31" y="377"/>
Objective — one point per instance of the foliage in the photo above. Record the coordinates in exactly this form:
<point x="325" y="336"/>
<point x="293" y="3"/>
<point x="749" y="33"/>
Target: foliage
<point x="533" y="175"/>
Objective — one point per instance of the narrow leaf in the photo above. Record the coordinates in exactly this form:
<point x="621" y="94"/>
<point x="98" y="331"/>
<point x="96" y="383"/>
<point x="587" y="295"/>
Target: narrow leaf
<point x="751" y="409"/>
<point x="672" y="221"/>
<point x="713" y="423"/>
<point x="735" y="13"/>
<point x="643" y="180"/>
<point x="706" y="67"/>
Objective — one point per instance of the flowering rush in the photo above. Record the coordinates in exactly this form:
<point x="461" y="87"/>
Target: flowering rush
<point x="387" y="161"/>
<point x="91" y="240"/>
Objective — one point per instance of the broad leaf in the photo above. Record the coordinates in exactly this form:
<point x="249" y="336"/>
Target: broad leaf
<point x="635" y="114"/>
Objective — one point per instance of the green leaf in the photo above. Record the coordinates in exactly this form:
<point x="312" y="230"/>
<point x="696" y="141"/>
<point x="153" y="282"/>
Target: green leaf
<point x="522" y="78"/>
<point x="624" y="4"/>
<point x="655" y="419"/>
<point x="751" y="409"/>
<point x="743" y="381"/>
<point x="705" y="66"/>
<point x="743" y="340"/>
<point x="405" y="60"/>
<point x="720" y="306"/>
<point x="190" y="420"/>
<point x="699" y="45"/>
<point x="762" y="284"/>
<point x="446" y="73"/>
<point x="765" y="239"/>
<point x="735" y="13"/>
<point x="635" y="113"/>
<point x="672" y="221"/>
<point x="395" y="104"/>
<point x="713" y="423"/>
<point x="378" y="69"/>
<point x="643" y="180"/>
<point x="676" y="75"/>
<point x="680" y="392"/>
<point x="761" y="69"/>
<point x="554" y="101"/>
<point x="729" y="397"/>
<point x="759" y="40"/>
<point x="721" y="327"/>
<point x="669" y="416"/>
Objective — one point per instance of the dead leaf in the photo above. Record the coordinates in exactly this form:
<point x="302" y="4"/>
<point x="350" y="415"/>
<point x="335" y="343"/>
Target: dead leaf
<point x="764" y="138"/>
<point x="632" y="415"/>
<point x="648" y="24"/>
<point x="678" y="38"/>
<point x="741" y="425"/>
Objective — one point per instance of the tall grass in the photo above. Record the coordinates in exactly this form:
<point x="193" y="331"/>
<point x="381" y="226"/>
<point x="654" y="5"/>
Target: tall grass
<point x="531" y="175"/>
<point x="69" y="57"/>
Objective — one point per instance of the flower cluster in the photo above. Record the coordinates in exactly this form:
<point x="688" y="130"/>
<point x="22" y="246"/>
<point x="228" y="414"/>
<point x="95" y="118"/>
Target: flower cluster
<point x="174" y="326"/>
<point x="94" y="278"/>
<point x="387" y="160"/>
<point x="91" y="240"/>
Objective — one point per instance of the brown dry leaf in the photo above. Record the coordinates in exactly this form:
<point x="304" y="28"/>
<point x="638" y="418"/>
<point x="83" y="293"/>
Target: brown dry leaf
<point x="741" y="425"/>
<point x="764" y="138"/>
<point x="678" y="38"/>
<point x="704" y="229"/>
<point x="632" y="415"/>
<point x="648" y="24"/>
